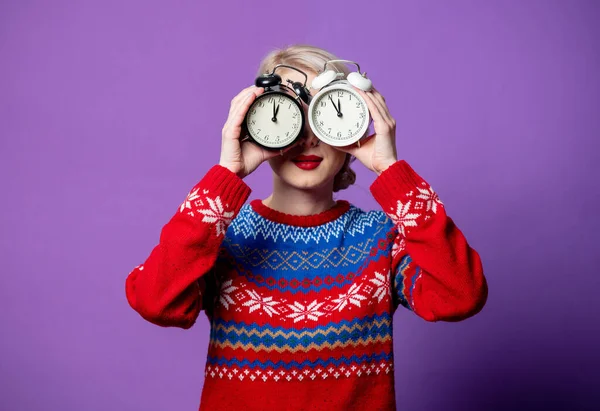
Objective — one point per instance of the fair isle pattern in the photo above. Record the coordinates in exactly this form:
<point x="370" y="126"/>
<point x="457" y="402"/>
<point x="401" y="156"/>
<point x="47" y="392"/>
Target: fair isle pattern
<point x="267" y="338"/>
<point x="319" y="362"/>
<point x="360" y="294"/>
<point x="406" y="213"/>
<point x="266" y="259"/>
<point x="402" y="293"/>
<point x="405" y="281"/>
<point x="312" y="373"/>
<point x="216" y="214"/>
<point x="351" y="223"/>
<point x="302" y="316"/>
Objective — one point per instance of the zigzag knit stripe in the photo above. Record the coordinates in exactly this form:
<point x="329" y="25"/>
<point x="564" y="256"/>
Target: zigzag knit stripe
<point x="238" y="331"/>
<point x="302" y="348"/>
<point x="311" y="280"/>
<point x="346" y="334"/>
<point x="229" y="362"/>
<point x="267" y="338"/>
<point x="354" y="222"/>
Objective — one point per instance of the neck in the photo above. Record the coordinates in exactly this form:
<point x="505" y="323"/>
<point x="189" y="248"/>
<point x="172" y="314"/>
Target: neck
<point x="295" y="201"/>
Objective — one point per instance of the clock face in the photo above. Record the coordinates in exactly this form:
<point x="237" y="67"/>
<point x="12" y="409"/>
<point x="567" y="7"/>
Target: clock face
<point x="274" y="120"/>
<point x="339" y="116"/>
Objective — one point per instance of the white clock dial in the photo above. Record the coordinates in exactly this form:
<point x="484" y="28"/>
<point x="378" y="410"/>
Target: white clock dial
<point x="338" y="115"/>
<point x="274" y="120"/>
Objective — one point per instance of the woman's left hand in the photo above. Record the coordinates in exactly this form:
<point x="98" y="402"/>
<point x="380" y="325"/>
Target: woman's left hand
<point x="378" y="151"/>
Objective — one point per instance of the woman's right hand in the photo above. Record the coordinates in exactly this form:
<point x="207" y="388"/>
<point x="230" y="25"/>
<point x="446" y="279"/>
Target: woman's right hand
<point x="242" y="158"/>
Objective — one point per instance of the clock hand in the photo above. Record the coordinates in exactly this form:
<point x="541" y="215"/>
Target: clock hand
<point x="277" y="110"/>
<point x="336" y="109"/>
<point x="339" y="108"/>
<point x="274" y="118"/>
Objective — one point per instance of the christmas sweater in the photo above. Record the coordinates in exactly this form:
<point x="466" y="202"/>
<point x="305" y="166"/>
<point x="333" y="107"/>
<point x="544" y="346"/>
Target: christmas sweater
<point x="300" y="307"/>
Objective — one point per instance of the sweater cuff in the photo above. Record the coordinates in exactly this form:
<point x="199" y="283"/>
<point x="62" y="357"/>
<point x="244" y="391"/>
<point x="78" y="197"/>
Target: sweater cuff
<point x="220" y="190"/>
<point x="394" y="183"/>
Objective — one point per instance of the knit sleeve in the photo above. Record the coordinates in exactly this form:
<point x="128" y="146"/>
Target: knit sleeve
<point x="167" y="289"/>
<point x="435" y="272"/>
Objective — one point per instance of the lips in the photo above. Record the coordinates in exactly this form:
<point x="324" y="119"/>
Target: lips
<point x="307" y="162"/>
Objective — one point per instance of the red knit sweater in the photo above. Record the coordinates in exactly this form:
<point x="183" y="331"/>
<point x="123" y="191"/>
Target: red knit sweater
<point x="301" y="307"/>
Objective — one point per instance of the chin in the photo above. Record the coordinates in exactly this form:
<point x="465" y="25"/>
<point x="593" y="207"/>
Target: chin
<point x="304" y="179"/>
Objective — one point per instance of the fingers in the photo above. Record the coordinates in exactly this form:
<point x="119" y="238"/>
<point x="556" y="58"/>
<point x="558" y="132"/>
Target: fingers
<point x="240" y="105"/>
<point x="239" y="97"/>
<point x="373" y="107"/>
<point x="378" y="108"/>
<point x="383" y="107"/>
<point x="239" y="112"/>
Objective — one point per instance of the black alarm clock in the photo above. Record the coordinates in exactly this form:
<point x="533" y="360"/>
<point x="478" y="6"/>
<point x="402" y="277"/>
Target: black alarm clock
<point x="275" y="120"/>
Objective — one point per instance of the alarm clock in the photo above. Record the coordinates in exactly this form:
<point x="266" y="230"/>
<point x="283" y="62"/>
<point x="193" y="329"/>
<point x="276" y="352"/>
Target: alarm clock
<point x="275" y="120"/>
<point x="338" y="114"/>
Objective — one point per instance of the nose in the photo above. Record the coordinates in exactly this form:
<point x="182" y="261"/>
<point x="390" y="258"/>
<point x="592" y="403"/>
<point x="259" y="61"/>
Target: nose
<point x="310" y="140"/>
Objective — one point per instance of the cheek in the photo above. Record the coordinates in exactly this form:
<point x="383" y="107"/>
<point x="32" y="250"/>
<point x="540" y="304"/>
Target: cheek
<point x="339" y="159"/>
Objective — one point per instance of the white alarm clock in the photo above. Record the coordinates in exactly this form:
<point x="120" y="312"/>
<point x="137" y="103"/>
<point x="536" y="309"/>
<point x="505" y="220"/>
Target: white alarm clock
<point x="275" y="120"/>
<point x="338" y="114"/>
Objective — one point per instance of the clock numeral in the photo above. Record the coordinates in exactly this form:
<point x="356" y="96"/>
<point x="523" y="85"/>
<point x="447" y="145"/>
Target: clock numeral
<point x="357" y="124"/>
<point x="318" y="112"/>
<point x="358" y="104"/>
<point x="350" y="96"/>
<point x="261" y="104"/>
<point x="321" y="123"/>
<point x="281" y="100"/>
<point x="295" y="126"/>
<point x="290" y="106"/>
<point x="349" y="133"/>
<point x="267" y="137"/>
<point x="258" y="132"/>
<point x="362" y="115"/>
<point x="254" y="111"/>
<point x="295" y="115"/>
<point x="287" y="133"/>
<point x="271" y="99"/>
<point x="277" y="138"/>
<point x="329" y="130"/>
<point x="253" y="122"/>
<point x="322" y="104"/>
<point x="340" y="94"/>
<point x="339" y="134"/>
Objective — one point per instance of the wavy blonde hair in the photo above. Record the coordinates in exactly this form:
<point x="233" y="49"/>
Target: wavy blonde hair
<point x="311" y="58"/>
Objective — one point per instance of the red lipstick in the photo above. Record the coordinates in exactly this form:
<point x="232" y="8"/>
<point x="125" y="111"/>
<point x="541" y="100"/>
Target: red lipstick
<point x="307" y="162"/>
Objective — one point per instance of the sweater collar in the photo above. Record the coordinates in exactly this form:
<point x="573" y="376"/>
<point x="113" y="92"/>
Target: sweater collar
<point x="326" y="216"/>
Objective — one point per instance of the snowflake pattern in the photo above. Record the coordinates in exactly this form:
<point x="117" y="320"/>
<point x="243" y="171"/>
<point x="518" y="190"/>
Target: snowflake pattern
<point x="431" y="198"/>
<point x="258" y="302"/>
<point x="405" y="215"/>
<point x="215" y="213"/>
<point x="402" y="217"/>
<point x="302" y="312"/>
<point x="224" y="296"/>
<point x="192" y="200"/>
<point x="382" y="284"/>
<point x="352" y="297"/>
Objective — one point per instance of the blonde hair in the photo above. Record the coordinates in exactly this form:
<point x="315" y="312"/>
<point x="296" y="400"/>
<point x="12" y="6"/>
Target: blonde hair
<point x="311" y="58"/>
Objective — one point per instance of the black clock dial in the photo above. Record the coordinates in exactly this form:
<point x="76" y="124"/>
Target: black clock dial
<point x="274" y="120"/>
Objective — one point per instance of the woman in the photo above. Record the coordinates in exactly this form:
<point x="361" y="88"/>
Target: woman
<point x="300" y="289"/>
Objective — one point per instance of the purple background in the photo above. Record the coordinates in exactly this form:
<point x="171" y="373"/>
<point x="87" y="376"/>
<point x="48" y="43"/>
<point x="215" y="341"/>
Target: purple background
<point x="111" y="110"/>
